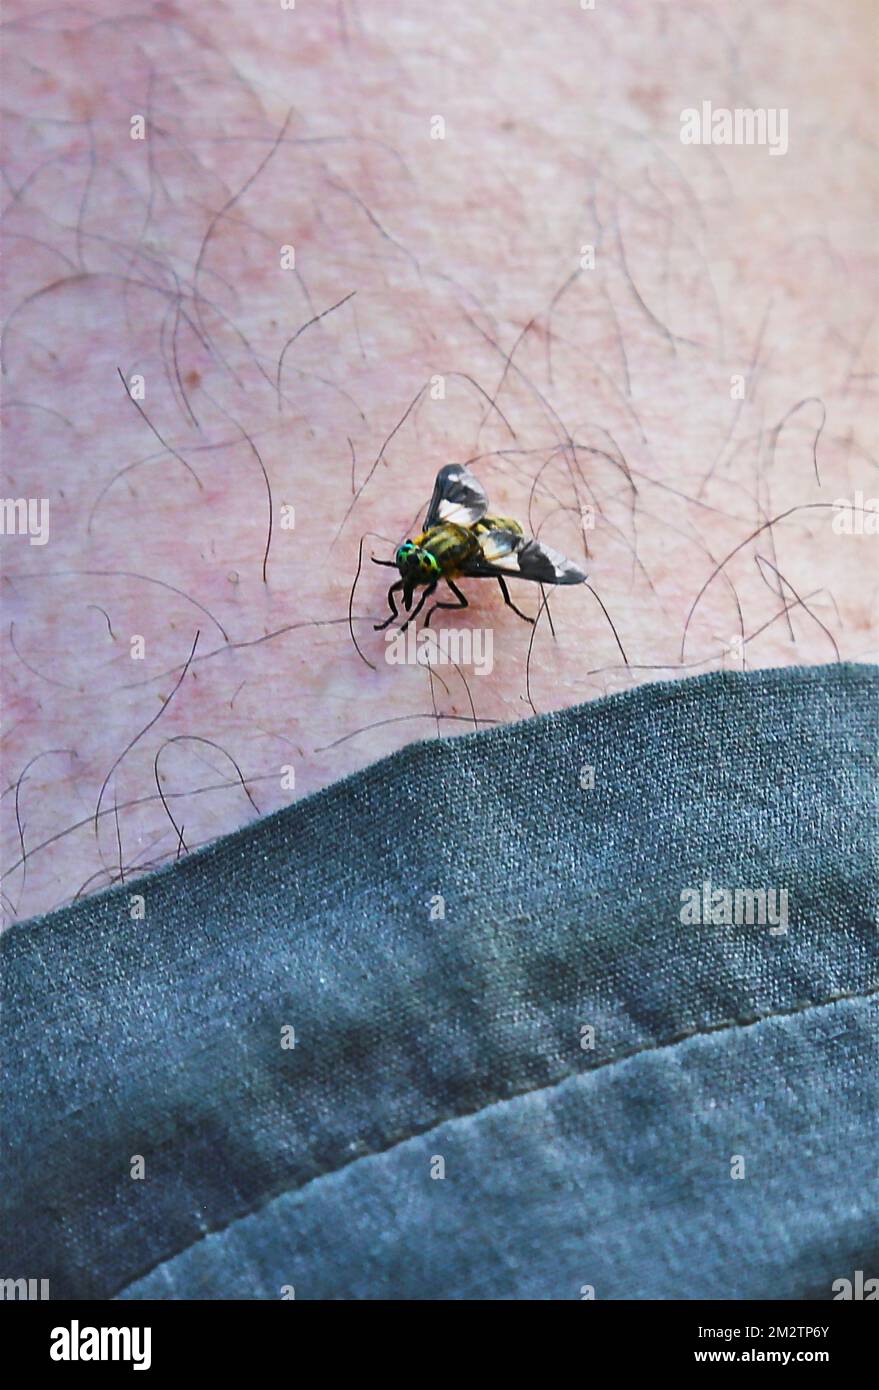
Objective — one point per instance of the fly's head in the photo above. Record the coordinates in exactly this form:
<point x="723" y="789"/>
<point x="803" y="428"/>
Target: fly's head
<point x="417" y="566"/>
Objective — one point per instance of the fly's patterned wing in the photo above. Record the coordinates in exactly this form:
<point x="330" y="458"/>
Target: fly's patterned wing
<point x="506" y="550"/>
<point x="499" y="537"/>
<point x="546" y="566"/>
<point x="458" y="497"/>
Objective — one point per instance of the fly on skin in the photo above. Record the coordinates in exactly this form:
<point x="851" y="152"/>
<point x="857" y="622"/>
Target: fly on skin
<point x="461" y="541"/>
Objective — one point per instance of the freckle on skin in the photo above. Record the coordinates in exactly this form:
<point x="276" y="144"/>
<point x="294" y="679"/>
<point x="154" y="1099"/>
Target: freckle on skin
<point x="650" y="100"/>
<point x="82" y="105"/>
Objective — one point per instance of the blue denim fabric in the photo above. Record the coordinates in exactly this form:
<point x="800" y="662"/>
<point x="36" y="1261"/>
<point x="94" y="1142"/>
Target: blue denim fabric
<point x="615" y="1180"/>
<point x="572" y="1159"/>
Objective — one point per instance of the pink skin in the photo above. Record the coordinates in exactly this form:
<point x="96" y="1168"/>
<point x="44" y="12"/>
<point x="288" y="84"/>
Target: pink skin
<point x="560" y="133"/>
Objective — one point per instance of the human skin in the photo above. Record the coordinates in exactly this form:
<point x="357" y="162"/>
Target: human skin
<point x="312" y="128"/>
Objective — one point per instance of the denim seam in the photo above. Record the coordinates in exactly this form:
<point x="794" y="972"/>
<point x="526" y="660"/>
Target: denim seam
<point x="625" y="1055"/>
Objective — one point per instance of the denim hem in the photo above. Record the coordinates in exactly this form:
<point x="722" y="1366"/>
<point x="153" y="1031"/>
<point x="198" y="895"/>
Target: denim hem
<point x="436" y="934"/>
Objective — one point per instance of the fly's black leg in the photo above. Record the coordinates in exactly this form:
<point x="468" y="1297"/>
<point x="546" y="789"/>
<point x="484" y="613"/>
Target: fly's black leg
<point x="379" y="627"/>
<point x="431" y="588"/>
<point x="509" y="602"/>
<point x="462" y="602"/>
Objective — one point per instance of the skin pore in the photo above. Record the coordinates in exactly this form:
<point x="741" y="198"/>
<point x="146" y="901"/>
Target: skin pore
<point x="269" y="269"/>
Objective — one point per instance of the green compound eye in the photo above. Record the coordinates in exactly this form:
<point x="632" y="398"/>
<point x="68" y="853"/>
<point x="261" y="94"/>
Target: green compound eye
<point x="429" y="563"/>
<point x="403" y="553"/>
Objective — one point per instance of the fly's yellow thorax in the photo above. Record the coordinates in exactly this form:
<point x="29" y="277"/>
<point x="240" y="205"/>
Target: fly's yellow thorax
<point x="450" y="545"/>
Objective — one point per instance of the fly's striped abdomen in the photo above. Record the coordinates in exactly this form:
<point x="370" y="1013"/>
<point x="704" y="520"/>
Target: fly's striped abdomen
<point x="498" y="523"/>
